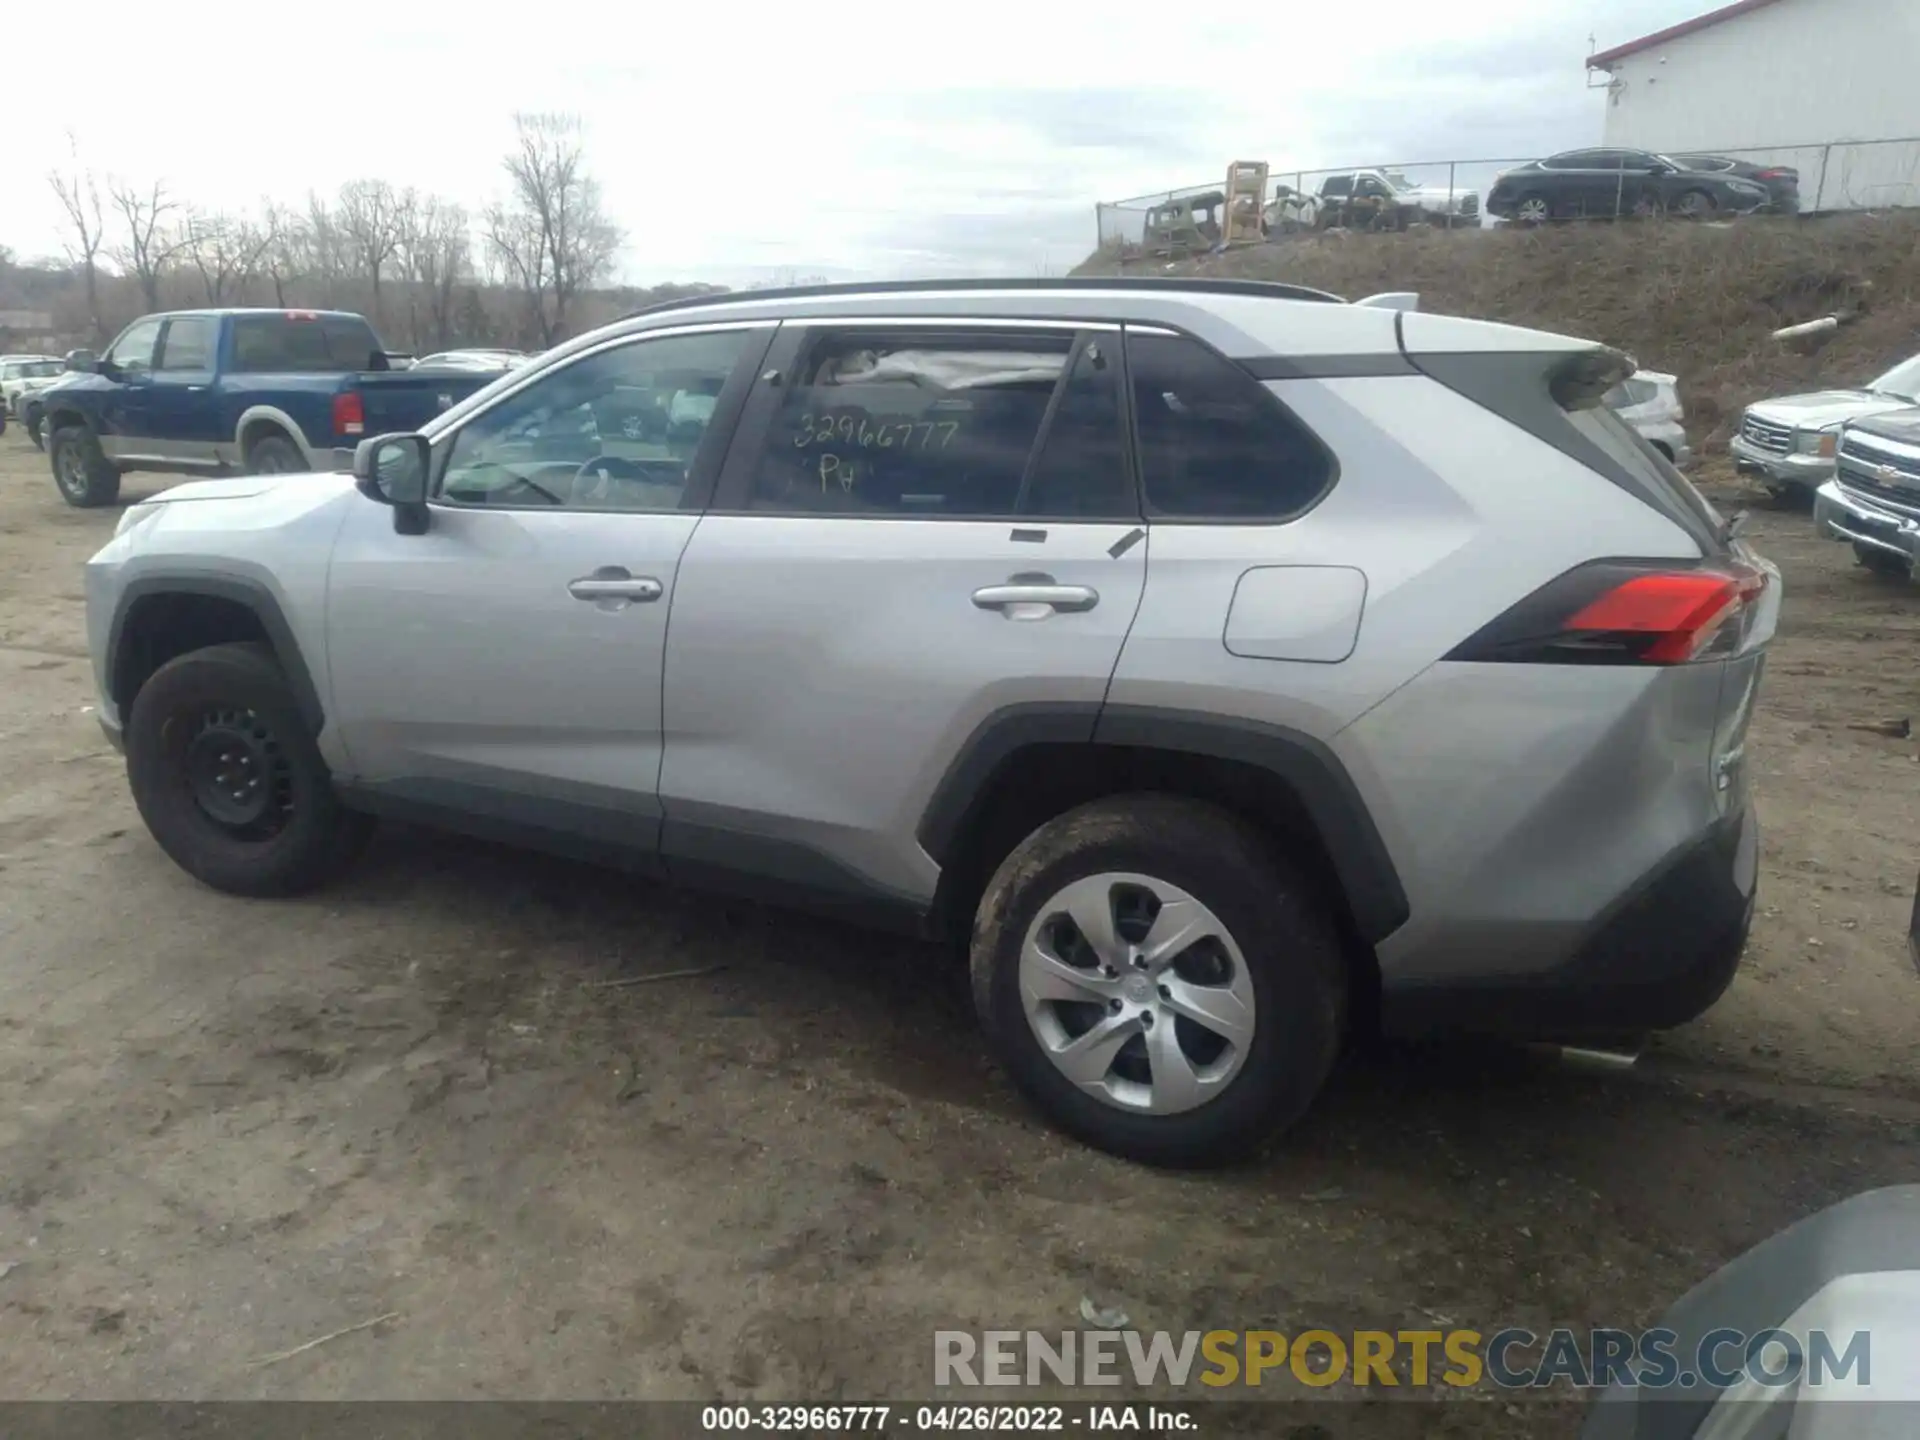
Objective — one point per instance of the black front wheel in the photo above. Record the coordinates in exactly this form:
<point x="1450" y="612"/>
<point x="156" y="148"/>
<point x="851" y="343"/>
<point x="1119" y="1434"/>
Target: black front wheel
<point x="229" y="779"/>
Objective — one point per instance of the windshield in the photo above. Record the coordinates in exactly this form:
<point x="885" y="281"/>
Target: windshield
<point x="36" y="368"/>
<point x="1399" y="181"/>
<point x="1902" y="380"/>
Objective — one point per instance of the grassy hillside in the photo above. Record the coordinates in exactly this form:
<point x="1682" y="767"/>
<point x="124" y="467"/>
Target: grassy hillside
<point x="1696" y="300"/>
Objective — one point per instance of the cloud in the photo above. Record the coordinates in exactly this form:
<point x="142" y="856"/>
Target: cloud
<point x="882" y="137"/>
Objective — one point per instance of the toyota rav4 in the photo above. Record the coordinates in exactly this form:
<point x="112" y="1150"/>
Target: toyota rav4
<point x="1225" y="665"/>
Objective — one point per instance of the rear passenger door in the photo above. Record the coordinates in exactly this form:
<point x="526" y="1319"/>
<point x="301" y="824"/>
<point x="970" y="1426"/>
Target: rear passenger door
<point x="920" y="524"/>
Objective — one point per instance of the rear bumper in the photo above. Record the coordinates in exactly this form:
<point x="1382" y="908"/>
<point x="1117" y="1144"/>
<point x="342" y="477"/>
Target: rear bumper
<point x="1789" y="469"/>
<point x="1657" y="958"/>
<point x="1838" y="515"/>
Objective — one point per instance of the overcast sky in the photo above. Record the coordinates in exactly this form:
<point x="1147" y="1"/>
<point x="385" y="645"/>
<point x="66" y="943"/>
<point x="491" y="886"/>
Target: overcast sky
<point x="856" y="139"/>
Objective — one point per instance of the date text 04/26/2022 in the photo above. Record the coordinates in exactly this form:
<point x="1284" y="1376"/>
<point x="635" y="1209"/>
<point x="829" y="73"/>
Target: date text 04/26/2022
<point x="963" y="1419"/>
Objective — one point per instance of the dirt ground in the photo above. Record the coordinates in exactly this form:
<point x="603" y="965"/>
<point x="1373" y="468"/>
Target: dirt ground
<point x="230" y="1128"/>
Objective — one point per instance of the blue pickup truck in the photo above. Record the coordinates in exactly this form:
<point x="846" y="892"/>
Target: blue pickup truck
<point x="213" y="392"/>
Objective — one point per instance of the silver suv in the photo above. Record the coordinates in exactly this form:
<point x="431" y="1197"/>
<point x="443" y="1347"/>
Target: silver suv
<point x="1224" y="664"/>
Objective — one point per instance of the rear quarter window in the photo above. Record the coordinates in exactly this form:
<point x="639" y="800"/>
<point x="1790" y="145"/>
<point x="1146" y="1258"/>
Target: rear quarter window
<point x="1214" y="443"/>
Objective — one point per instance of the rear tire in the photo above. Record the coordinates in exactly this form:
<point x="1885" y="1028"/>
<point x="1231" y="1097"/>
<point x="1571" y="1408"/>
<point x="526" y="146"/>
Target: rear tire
<point x="81" y="470"/>
<point x="275" y="454"/>
<point x="1259" y="952"/>
<point x="229" y="780"/>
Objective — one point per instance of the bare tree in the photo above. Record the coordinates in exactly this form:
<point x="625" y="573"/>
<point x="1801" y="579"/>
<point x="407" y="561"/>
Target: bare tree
<point x="288" y="256"/>
<point x="433" y="254"/>
<point x="553" y="233"/>
<point x="369" y="217"/>
<point x="326" y="249"/>
<point x="150" y="241"/>
<point x="227" y="252"/>
<point x="80" y="198"/>
<point x="517" y="261"/>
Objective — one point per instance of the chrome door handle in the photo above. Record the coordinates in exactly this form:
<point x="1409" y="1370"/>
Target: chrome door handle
<point x="1029" y="599"/>
<point x="621" y="586"/>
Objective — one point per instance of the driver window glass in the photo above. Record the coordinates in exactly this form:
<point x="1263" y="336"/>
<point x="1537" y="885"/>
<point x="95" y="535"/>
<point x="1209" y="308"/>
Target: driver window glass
<point x="134" y="349"/>
<point x="616" y="431"/>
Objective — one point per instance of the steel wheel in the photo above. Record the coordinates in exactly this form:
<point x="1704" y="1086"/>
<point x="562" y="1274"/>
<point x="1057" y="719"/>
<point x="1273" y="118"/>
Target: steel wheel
<point x="70" y="472"/>
<point x="238" y="774"/>
<point x="1137" y="993"/>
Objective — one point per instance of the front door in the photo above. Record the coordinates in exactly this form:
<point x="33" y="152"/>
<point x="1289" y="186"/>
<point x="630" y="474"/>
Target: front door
<point x="183" y="422"/>
<point x="126" y="412"/>
<point x="502" y="671"/>
<point x="920" y="524"/>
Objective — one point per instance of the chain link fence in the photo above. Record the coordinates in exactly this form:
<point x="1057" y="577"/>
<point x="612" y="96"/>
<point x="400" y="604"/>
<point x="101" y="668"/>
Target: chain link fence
<point x="1833" y="176"/>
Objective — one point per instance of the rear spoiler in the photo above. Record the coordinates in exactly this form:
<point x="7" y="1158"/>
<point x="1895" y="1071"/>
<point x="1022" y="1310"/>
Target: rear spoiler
<point x="1392" y="300"/>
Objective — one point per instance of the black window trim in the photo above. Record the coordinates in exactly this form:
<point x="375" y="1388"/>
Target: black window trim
<point x="1246" y="369"/>
<point x="734" y="494"/>
<point x="709" y="460"/>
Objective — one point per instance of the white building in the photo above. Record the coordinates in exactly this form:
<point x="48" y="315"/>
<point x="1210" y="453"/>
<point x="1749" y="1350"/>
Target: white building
<point x="1782" y="82"/>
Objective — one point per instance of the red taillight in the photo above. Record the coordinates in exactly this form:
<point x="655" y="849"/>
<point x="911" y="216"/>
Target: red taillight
<point x="1624" y="613"/>
<point x="349" y="416"/>
<point x="1777" y="175"/>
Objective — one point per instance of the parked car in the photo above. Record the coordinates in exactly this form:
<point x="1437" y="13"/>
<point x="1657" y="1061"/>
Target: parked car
<point x="1873" y="500"/>
<point x="19" y="373"/>
<point x="474" y="359"/>
<point x="1610" y="183"/>
<point x="1289" y="212"/>
<point x="1781" y="181"/>
<point x="1649" y="401"/>
<point x="213" y="391"/>
<point x="1775" y="1342"/>
<point x="1374" y="197"/>
<point x="1790" y="442"/>
<point x="935" y="661"/>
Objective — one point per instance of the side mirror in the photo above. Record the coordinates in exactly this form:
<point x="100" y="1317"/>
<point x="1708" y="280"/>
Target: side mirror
<point x="84" y="361"/>
<point x="392" y="470"/>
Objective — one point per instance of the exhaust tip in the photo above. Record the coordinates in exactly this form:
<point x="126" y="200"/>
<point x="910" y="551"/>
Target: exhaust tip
<point x="1585" y="1057"/>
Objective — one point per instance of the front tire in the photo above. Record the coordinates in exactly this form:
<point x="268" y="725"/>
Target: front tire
<point x="228" y="778"/>
<point x="1696" y="205"/>
<point x="1157" y="981"/>
<point x="1879" y="562"/>
<point x="32" y="421"/>
<point x="81" y="470"/>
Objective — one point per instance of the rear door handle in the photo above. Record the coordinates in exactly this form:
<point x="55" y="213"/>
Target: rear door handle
<point x="1033" y="599"/>
<point x="613" y="582"/>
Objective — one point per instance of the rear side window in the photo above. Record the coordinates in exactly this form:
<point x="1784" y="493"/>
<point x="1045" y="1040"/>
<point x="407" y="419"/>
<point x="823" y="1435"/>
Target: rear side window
<point x="284" y="344"/>
<point x="1213" y="441"/>
<point x="939" y="424"/>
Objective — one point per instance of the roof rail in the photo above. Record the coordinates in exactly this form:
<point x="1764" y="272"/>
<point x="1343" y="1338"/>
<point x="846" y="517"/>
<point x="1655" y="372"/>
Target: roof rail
<point x="1161" y="284"/>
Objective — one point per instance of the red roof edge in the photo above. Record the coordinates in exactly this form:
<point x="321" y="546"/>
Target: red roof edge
<point x="1674" y="32"/>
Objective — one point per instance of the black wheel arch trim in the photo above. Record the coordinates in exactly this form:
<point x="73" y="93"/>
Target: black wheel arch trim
<point x="251" y="594"/>
<point x="1308" y="766"/>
